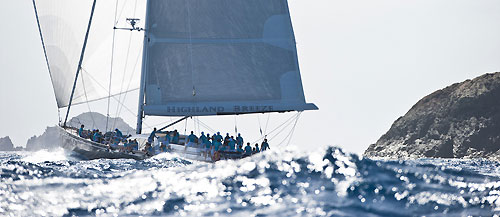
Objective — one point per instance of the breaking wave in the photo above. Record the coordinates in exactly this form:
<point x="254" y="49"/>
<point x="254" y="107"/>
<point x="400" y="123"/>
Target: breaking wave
<point x="47" y="155"/>
<point x="284" y="183"/>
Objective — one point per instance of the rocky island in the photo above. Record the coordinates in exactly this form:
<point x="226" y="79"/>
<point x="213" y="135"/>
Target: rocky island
<point x="6" y="145"/>
<point x="459" y="121"/>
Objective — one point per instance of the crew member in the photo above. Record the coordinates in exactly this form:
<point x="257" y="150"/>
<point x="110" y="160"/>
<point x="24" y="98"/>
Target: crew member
<point x="239" y="140"/>
<point x="226" y="139"/>
<point x="119" y="133"/>
<point x="257" y="148"/>
<point x="175" y="138"/>
<point x="191" y="140"/>
<point x="80" y="131"/>
<point x="149" y="149"/>
<point x="168" y="138"/>
<point x="240" y="149"/>
<point x="218" y="137"/>
<point x="203" y="138"/>
<point x="264" y="146"/>
<point x="248" y="149"/>
<point x="231" y="144"/>
<point x="152" y="136"/>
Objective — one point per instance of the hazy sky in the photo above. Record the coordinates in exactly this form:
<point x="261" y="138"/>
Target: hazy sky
<point x="364" y="63"/>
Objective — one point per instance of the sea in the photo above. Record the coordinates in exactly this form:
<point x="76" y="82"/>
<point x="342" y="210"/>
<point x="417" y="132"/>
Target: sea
<point x="287" y="182"/>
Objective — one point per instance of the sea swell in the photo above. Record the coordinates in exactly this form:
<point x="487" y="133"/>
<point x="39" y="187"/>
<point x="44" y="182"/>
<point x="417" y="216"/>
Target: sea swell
<point x="277" y="182"/>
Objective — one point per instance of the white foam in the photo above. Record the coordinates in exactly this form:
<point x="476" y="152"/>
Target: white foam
<point x="44" y="155"/>
<point x="167" y="156"/>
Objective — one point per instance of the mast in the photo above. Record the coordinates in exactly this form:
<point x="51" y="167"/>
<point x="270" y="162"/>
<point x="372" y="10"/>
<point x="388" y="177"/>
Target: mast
<point x="80" y="62"/>
<point x="142" y="88"/>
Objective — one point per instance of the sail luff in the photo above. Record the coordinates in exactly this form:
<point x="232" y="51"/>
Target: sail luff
<point x="80" y="62"/>
<point x="295" y="53"/>
<point x="43" y="44"/>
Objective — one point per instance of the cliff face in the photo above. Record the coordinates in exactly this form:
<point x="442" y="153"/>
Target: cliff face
<point x="459" y="121"/>
<point x="48" y="140"/>
<point x="6" y="144"/>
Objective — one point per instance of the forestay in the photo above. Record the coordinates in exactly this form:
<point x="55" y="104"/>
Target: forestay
<point x="63" y="24"/>
<point x="221" y="57"/>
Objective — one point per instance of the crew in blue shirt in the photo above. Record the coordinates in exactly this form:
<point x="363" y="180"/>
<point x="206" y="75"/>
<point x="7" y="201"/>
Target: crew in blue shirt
<point x="192" y="137"/>
<point x="175" y="138"/>
<point x="257" y="148"/>
<point x="218" y="137"/>
<point x="208" y="144"/>
<point x="203" y="138"/>
<point x="208" y="138"/>
<point x="152" y="136"/>
<point x="231" y="144"/>
<point x="149" y="149"/>
<point x="239" y="140"/>
<point x="168" y="138"/>
<point x="248" y="149"/>
<point x="119" y="133"/>
<point x="80" y="131"/>
<point x="135" y="145"/>
<point x="97" y="136"/>
<point x="191" y="140"/>
<point x="240" y="149"/>
<point x="226" y="139"/>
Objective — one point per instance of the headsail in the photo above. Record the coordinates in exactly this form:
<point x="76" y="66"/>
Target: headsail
<point x="221" y="57"/>
<point x="63" y="24"/>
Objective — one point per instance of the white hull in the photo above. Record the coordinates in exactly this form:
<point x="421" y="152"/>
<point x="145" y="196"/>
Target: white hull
<point x="190" y="153"/>
<point x="91" y="150"/>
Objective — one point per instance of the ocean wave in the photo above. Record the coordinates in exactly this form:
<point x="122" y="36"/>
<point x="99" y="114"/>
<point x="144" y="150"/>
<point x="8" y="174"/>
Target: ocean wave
<point x="277" y="182"/>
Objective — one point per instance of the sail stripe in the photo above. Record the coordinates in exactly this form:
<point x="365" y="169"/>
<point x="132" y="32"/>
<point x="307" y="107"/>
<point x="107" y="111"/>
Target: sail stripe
<point x="215" y="41"/>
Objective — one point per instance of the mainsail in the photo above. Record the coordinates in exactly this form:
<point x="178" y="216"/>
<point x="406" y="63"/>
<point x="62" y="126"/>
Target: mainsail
<point x="221" y="57"/>
<point x="63" y="24"/>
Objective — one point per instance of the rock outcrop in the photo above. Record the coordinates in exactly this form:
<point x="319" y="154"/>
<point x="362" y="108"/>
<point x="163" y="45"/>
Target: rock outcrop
<point x="6" y="144"/>
<point x="459" y="121"/>
<point x="48" y="140"/>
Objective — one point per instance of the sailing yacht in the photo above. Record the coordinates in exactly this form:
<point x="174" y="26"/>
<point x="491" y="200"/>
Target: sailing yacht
<point x="198" y="58"/>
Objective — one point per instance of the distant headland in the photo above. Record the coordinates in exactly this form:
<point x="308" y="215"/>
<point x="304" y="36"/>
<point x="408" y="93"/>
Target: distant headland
<point x="459" y="121"/>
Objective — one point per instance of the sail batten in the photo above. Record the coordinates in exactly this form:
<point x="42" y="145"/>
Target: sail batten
<point x="222" y="54"/>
